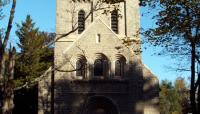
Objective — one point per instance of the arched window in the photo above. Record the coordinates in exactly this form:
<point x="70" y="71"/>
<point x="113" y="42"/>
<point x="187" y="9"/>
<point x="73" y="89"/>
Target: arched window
<point x="81" y="21"/>
<point x="80" y="68"/>
<point x="98" y="67"/>
<point x="119" y="68"/>
<point x="114" y="21"/>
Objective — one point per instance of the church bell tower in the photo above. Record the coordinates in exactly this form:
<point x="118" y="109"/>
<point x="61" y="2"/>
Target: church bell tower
<point x="97" y="61"/>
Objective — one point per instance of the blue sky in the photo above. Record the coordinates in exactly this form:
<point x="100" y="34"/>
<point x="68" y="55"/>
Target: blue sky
<point x="43" y="13"/>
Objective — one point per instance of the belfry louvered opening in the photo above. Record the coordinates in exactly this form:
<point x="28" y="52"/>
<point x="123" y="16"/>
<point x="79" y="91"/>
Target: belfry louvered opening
<point x="114" y="21"/>
<point x="81" y="21"/>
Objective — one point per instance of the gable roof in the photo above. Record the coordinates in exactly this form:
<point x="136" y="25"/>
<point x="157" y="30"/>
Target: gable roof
<point x="94" y="23"/>
<point x="97" y="21"/>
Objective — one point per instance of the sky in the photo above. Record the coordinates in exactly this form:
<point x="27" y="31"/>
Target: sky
<point x="43" y="13"/>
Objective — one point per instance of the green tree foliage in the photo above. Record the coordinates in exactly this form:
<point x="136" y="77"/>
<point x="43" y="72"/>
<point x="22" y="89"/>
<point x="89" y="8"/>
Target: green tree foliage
<point x="3" y="2"/>
<point x="177" y="30"/>
<point x="33" y="59"/>
<point x="173" y="98"/>
<point x="183" y="92"/>
<point x="177" y="25"/>
<point x="169" y="99"/>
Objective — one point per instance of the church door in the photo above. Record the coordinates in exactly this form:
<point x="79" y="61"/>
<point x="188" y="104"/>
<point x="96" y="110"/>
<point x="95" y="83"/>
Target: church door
<point x="100" y="105"/>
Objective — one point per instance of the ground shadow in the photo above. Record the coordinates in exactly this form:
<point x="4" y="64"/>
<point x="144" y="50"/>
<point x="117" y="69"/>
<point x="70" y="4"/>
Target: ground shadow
<point x="135" y="93"/>
<point x="26" y="101"/>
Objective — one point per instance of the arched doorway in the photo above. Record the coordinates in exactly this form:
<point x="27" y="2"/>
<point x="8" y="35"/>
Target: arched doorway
<point x="99" y="105"/>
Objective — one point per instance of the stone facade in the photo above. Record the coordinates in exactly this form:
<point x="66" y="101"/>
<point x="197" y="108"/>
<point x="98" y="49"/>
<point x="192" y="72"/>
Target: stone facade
<point x="122" y="85"/>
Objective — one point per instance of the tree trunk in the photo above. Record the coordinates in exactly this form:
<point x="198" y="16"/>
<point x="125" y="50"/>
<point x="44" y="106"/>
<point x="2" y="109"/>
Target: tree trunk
<point x="6" y="86"/>
<point x="198" y="100"/>
<point x="8" y="94"/>
<point x="3" y="43"/>
<point x="192" y="87"/>
<point x="198" y="95"/>
<point x="1" y="58"/>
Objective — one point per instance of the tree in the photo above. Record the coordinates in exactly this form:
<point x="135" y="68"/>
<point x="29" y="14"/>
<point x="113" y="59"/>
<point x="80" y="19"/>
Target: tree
<point x="7" y="70"/>
<point x="169" y="99"/>
<point x="174" y="97"/>
<point x="183" y="93"/>
<point x="177" y="30"/>
<point x="31" y="64"/>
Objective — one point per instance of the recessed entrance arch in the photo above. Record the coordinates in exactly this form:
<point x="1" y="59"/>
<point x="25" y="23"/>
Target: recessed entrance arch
<point x="99" y="105"/>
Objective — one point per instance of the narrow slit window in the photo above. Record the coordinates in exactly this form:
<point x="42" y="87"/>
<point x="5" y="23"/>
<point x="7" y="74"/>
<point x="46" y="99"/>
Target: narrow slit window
<point x="81" y="21"/>
<point x="98" y="38"/>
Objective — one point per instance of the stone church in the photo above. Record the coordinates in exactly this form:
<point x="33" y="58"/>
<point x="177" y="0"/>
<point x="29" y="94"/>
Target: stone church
<point x="97" y="62"/>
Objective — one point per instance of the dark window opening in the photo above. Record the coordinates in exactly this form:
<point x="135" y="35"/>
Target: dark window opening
<point x="81" y="21"/>
<point x="80" y="68"/>
<point x="119" y="68"/>
<point x="114" y="21"/>
<point x="98" y="67"/>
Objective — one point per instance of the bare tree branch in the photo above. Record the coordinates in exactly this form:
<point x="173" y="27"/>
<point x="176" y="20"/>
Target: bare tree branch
<point x="97" y="7"/>
<point x="3" y="43"/>
<point x="9" y="26"/>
